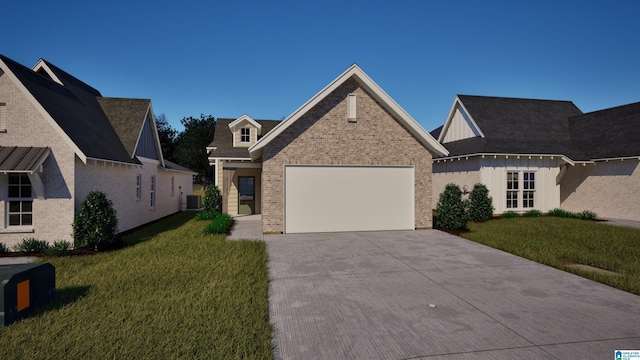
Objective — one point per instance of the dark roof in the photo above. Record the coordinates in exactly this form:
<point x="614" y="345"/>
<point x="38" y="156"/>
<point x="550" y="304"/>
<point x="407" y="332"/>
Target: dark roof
<point x="173" y="166"/>
<point x="608" y="133"/>
<point x="127" y="116"/>
<point x="223" y="139"/>
<point x="518" y="126"/>
<point x="22" y="159"/>
<point x="75" y="108"/>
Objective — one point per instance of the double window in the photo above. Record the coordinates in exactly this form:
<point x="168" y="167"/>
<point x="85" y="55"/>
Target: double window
<point x="521" y="187"/>
<point x="20" y="200"/>
<point x="245" y="135"/>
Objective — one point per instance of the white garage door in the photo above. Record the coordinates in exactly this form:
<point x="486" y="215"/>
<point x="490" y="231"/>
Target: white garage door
<point x="348" y="198"/>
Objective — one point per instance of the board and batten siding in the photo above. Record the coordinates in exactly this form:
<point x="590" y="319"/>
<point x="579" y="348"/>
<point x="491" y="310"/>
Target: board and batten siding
<point x="461" y="127"/>
<point x="147" y="143"/>
<point x="493" y="174"/>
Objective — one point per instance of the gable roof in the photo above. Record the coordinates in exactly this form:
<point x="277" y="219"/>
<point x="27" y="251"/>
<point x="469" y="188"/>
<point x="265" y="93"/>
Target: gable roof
<point x="72" y="108"/>
<point x="246" y="118"/>
<point x="608" y="133"/>
<point x="223" y="139"/>
<point x="375" y="91"/>
<point x="516" y="126"/>
<point x="127" y="116"/>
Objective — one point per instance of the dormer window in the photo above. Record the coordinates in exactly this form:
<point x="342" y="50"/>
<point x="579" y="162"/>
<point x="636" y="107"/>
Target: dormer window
<point x="245" y="135"/>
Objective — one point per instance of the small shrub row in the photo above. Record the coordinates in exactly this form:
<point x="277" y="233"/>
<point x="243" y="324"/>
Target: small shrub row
<point x="32" y="245"/>
<point x="220" y="225"/>
<point x="532" y="213"/>
<point x="453" y="212"/>
<point x="207" y="215"/>
<point x="509" y="215"/>
<point x="585" y="215"/>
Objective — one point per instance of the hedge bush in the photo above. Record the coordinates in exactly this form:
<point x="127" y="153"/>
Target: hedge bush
<point x="451" y="209"/>
<point x="588" y="215"/>
<point x="96" y="223"/>
<point x="480" y="203"/>
<point x="509" y="215"/>
<point x="532" y="213"/>
<point x="212" y="199"/>
<point x="220" y="225"/>
<point x="59" y="248"/>
<point x="31" y="245"/>
<point x="207" y="215"/>
<point x="3" y="248"/>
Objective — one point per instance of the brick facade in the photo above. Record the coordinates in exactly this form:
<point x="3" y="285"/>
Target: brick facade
<point x="325" y="136"/>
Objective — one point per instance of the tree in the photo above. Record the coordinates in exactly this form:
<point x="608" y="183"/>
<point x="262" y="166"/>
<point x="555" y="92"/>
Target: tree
<point x="191" y="146"/>
<point x="480" y="203"/>
<point x="167" y="136"/>
<point x="451" y="209"/>
<point x="212" y="199"/>
<point x="96" y="223"/>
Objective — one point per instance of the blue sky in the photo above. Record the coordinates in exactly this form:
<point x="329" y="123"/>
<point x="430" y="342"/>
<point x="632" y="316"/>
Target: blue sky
<point x="266" y="58"/>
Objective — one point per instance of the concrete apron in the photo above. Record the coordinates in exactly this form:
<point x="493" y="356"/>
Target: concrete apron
<point x="418" y="294"/>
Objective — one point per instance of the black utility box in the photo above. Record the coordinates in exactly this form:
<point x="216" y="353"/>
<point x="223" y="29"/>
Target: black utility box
<point x="24" y="288"/>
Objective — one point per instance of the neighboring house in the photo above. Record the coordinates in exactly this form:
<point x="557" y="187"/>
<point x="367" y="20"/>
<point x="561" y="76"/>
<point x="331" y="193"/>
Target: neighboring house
<point x="542" y="154"/>
<point x="349" y="159"/>
<point x="60" y="139"/>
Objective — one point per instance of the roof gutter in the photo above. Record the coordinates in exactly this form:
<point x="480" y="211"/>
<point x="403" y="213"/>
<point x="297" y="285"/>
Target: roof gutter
<point x="505" y="155"/>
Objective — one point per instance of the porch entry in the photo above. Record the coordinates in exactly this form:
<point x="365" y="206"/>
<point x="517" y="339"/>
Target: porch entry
<point x="246" y="195"/>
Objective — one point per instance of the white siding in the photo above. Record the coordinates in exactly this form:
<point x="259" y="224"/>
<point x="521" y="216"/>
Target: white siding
<point x="461" y="127"/>
<point x="493" y="174"/>
<point x="464" y="173"/>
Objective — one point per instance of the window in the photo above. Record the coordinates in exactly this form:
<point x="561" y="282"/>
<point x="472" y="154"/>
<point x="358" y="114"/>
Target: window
<point x="139" y="187"/>
<point x="526" y="192"/>
<point x="3" y="118"/>
<point x="245" y="135"/>
<point x="512" y="190"/>
<point x="20" y="200"/>
<point x="351" y="106"/>
<point x="529" y="187"/>
<point x="152" y="193"/>
<point x="173" y="186"/>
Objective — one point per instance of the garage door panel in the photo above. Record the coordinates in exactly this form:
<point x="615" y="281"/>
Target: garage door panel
<point x="347" y="198"/>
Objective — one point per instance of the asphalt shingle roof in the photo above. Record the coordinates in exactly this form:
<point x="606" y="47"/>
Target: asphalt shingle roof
<point x="127" y="117"/>
<point x="608" y="133"/>
<point x="75" y="108"/>
<point x="223" y="139"/>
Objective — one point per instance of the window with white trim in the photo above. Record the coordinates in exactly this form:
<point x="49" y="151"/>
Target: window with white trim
<point x="521" y="185"/>
<point x="245" y="135"/>
<point x="152" y="193"/>
<point x="20" y="200"/>
<point x="139" y="187"/>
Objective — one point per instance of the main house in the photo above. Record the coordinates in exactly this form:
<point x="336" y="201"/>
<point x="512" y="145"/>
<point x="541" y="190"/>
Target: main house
<point x="60" y="139"/>
<point x="543" y="154"/>
<point x="348" y="159"/>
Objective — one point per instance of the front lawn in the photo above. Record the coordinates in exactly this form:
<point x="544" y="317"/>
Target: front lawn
<point x="563" y="243"/>
<point x="172" y="293"/>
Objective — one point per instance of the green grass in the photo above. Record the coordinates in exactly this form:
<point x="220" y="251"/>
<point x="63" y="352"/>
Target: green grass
<point x="174" y="293"/>
<point x="559" y="242"/>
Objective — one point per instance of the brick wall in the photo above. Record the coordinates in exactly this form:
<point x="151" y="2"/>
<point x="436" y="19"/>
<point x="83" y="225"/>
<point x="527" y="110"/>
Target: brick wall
<point x="610" y="189"/>
<point x="27" y="126"/>
<point x="324" y="136"/>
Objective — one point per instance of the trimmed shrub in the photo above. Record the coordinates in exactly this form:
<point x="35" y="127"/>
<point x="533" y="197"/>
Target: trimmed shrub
<point x="32" y="245"/>
<point x="452" y="212"/>
<point x="532" y="213"/>
<point x="207" y="215"/>
<point x="3" y="248"/>
<point x="212" y="199"/>
<point x="587" y="215"/>
<point x="96" y="223"/>
<point x="59" y="248"/>
<point x="509" y="215"/>
<point x="557" y="212"/>
<point x="480" y="203"/>
<point x="220" y="225"/>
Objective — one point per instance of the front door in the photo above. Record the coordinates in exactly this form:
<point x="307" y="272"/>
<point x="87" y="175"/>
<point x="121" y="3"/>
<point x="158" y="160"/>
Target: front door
<point x="246" y="195"/>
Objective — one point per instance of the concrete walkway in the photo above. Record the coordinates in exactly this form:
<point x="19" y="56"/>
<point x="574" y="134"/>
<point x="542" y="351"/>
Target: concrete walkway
<point x="10" y="260"/>
<point x="431" y="295"/>
<point x="620" y="222"/>
<point x="246" y="227"/>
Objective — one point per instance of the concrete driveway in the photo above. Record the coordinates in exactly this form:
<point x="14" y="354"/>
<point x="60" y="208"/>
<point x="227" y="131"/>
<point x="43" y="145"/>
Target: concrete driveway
<point x="431" y="295"/>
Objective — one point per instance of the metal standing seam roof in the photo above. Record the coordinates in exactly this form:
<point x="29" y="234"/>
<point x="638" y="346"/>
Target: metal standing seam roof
<point x="22" y="159"/>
